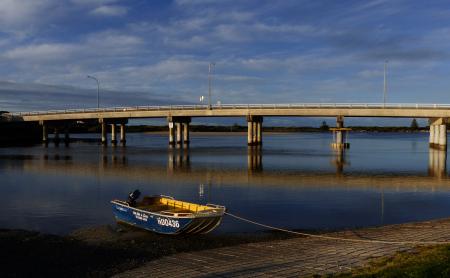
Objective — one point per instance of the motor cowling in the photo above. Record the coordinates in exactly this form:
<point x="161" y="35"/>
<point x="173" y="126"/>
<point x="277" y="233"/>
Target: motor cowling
<point x="132" y="197"/>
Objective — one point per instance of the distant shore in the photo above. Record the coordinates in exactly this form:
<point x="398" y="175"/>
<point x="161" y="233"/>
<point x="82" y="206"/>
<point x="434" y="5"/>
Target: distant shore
<point x="243" y="129"/>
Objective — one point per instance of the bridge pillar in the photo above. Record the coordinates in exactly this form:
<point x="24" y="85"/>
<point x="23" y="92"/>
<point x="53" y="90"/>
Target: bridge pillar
<point x="259" y="132"/>
<point x="250" y="133"/>
<point x="179" y="138"/>
<point x="56" y="137"/>
<point x="113" y="134"/>
<point x="254" y="135"/>
<point x="438" y="133"/>
<point x="340" y="135"/>
<point x="123" y="139"/>
<point x="186" y="133"/>
<point x="104" y="142"/>
<point x="179" y="130"/>
<point x="44" y="133"/>
<point x="66" y="135"/>
<point x="171" y="133"/>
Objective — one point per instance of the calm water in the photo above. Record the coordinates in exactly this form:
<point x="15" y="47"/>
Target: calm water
<point x="295" y="181"/>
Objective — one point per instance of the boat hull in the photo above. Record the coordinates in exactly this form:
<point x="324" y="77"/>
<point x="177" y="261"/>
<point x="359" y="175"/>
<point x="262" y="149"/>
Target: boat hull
<point x="164" y="224"/>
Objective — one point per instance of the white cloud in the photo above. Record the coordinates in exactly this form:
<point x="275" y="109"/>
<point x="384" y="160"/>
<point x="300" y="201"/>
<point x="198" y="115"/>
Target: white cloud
<point x="93" y="2"/>
<point x="40" y="52"/>
<point x="110" y="10"/>
<point x="20" y="14"/>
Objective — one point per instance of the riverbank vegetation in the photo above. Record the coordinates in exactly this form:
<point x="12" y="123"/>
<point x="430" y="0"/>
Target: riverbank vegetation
<point x="422" y="262"/>
<point x="239" y="128"/>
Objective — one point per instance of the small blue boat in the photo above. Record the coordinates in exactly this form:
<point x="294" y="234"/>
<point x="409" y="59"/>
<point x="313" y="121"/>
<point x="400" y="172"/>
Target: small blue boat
<point x="165" y="215"/>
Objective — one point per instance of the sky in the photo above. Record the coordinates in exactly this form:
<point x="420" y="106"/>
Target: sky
<point x="158" y="52"/>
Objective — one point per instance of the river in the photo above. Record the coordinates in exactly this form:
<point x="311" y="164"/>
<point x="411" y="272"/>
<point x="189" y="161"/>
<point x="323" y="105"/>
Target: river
<point x="294" y="181"/>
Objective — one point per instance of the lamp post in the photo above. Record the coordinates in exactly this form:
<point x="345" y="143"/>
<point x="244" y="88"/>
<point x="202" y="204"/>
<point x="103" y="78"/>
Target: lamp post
<point x="98" y="90"/>
<point x="385" y="83"/>
<point x="210" y="72"/>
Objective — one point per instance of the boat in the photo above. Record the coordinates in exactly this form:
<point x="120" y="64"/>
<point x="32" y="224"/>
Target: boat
<point x="165" y="215"/>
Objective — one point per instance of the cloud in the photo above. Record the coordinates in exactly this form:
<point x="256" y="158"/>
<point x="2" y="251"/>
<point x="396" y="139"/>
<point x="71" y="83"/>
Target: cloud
<point x="20" y="16"/>
<point x="41" y="52"/>
<point x="110" y="10"/>
<point x="93" y="2"/>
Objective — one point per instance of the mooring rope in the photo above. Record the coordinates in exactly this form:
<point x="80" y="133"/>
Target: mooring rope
<point x="339" y="238"/>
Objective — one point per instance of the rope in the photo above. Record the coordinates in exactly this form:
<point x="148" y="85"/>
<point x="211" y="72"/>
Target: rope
<point x="339" y="238"/>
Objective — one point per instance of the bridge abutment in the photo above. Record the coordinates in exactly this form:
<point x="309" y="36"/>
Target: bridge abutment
<point x="254" y="135"/>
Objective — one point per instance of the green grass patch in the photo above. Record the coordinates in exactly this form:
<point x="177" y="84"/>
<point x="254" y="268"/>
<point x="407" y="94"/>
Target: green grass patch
<point x="421" y="262"/>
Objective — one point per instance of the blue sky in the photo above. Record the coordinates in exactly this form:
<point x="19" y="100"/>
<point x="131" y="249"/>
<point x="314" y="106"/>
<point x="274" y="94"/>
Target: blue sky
<point x="153" y="52"/>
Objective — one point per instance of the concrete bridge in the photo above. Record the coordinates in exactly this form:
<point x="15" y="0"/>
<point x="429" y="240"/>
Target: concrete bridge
<point x="179" y="118"/>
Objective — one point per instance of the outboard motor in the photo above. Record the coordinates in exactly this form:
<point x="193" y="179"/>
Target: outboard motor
<point x="132" y="197"/>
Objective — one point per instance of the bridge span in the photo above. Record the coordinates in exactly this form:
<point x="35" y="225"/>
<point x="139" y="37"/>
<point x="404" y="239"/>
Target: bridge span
<point x="179" y="117"/>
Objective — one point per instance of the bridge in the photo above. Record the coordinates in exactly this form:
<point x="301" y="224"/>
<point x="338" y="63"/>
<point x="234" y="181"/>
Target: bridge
<point x="179" y="118"/>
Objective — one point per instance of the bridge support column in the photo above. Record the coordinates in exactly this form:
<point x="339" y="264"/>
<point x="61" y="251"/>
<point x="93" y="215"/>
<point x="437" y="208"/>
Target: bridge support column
<point x="340" y="135"/>
<point x="179" y="140"/>
<point x="113" y="134"/>
<point x="254" y="136"/>
<point x="186" y="133"/>
<point x="123" y="139"/>
<point x="443" y="137"/>
<point x="259" y="132"/>
<point x="432" y="131"/>
<point x="250" y="133"/>
<point x="179" y="130"/>
<point x="104" y="142"/>
<point x="56" y="137"/>
<point x="438" y="133"/>
<point x="66" y="135"/>
<point x="171" y="133"/>
<point x="44" y="133"/>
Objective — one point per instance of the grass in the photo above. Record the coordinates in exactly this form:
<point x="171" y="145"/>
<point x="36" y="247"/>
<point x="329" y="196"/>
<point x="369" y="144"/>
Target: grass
<point x="422" y="262"/>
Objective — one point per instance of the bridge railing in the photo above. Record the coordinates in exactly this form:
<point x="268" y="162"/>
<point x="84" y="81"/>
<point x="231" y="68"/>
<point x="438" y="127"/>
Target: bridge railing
<point x="240" y="106"/>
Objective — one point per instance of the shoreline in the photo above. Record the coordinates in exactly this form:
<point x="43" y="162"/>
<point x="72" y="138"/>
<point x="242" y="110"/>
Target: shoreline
<point x="103" y="251"/>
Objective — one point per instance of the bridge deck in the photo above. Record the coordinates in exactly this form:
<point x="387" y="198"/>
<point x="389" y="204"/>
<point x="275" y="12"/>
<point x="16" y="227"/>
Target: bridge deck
<point x="242" y="110"/>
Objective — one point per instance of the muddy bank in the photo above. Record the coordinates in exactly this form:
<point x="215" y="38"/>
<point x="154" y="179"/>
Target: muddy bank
<point x="101" y="251"/>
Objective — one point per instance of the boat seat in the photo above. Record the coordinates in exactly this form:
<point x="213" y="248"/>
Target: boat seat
<point x="153" y="208"/>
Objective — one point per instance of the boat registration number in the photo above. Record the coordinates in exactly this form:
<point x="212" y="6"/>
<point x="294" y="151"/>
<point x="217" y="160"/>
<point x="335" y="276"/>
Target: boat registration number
<point x="140" y="216"/>
<point x="168" y="222"/>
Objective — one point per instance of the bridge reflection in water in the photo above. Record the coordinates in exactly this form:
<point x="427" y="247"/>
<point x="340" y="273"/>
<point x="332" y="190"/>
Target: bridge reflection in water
<point x="437" y="163"/>
<point x="179" y="167"/>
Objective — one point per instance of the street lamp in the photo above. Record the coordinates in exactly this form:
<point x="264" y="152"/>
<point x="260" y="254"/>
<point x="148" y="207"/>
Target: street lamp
<point x="98" y="90"/>
<point x="210" y="72"/>
<point x="385" y="83"/>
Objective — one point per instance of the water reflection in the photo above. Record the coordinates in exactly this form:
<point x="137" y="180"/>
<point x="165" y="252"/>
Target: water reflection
<point x="178" y="159"/>
<point x="339" y="160"/>
<point x="386" y="182"/>
<point x="254" y="159"/>
<point x="437" y="163"/>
